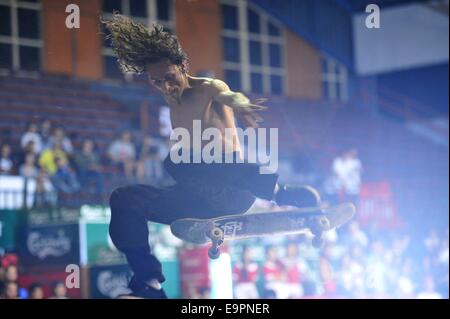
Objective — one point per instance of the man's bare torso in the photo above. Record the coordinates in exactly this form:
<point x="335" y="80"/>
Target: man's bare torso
<point x="197" y="103"/>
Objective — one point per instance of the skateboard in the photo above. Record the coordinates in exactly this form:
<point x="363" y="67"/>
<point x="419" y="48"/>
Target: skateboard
<point x="231" y="227"/>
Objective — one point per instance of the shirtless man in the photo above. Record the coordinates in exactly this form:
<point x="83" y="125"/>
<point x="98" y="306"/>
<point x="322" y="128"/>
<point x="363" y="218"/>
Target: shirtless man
<point x="202" y="190"/>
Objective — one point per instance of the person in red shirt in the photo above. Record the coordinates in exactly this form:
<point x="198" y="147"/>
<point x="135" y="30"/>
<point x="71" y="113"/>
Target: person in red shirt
<point x="293" y="272"/>
<point x="245" y="276"/>
<point x="275" y="275"/>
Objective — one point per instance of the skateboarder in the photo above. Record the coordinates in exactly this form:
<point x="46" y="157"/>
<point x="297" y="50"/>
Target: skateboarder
<point x="202" y="190"/>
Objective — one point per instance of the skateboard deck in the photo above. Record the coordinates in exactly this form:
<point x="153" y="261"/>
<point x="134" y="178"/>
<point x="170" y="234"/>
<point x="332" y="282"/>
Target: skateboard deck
<point x="231" y="227"/>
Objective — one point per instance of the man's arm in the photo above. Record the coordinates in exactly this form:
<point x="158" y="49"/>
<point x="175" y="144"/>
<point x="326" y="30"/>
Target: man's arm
<point x="239" y="102"/>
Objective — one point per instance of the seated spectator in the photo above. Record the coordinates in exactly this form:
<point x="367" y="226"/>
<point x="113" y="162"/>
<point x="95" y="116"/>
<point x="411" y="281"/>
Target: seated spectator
<point x="326" y="272"/>
<point x="355" y="235"/>
<point x="292" y="264"/>
<point x="88" y="166"/>
<point x="150" y="160"/>
<point x="30" y="148"/>
<point x="59" y="137"/>
<point x="29" y="169"/>
<point x="403" y="282"/>
<point x="6" y="161"/>
<point x="59" y="290"/>
<point x="45" y="194"/>
<point x="275" y="274"/>
<point x="46" y="132"/>
<point x="64" y="178"/>
<point x="351" y="277"/>
<point x="10" y="277"/>
<point x="10" y="290"/>
<point x="122" y="152"/>
<point x="36" y="291"/>
<point x="11" y="273"/>
<point x="377" y="268"/>
<point x="32" y="135"/>
<point x="245" y="275"/>
<point x="47" y="159"/>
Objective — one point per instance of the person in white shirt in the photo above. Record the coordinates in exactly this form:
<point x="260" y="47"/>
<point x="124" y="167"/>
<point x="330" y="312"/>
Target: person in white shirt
<point x="347" y="170"/>
<point x="32" y="135"/>
<point x="123" y="153"/>
<point x="29" y="169"/>
<point x="6" y="162"/>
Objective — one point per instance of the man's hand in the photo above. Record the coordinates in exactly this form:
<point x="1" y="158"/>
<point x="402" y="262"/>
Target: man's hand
<point x="244" y="108"/>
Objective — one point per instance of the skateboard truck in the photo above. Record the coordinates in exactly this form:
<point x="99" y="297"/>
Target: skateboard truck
<point x="217" y="237"/>
<point x="319" y="224"/>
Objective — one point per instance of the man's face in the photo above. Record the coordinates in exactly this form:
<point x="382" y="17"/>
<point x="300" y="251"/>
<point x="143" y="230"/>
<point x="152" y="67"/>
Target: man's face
<point x="168" y="78"/>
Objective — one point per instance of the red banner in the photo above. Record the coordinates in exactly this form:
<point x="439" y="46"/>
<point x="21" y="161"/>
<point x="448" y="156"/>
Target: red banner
<point x="377" y="207"/>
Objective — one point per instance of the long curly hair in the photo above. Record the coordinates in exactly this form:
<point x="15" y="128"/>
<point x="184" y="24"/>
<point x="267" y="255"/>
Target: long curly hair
<point x="136" y="46"/>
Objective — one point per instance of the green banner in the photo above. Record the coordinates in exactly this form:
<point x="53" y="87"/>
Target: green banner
<point x="96" y="245"/>
<point x="171" y="270"/>
<point x="9" y="222"/>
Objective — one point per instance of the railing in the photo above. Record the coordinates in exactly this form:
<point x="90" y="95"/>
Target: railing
<point x="399" y="103"/>
<point x="410" y="110"/>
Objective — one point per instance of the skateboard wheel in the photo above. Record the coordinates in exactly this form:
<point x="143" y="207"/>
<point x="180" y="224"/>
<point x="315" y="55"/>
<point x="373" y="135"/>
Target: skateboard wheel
<point x="213" y="253"/>
<point x="217" y="234"/>
<point x="317" y="242"/>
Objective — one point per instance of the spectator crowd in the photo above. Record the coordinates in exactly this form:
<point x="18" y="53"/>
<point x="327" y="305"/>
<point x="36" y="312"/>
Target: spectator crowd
<point x="11" y="289"/>
<point x="355" y="263"/>
<point x="46" y="154"/>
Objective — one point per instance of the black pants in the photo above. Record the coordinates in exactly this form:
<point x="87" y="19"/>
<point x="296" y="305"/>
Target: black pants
<point x="202" y="191"/>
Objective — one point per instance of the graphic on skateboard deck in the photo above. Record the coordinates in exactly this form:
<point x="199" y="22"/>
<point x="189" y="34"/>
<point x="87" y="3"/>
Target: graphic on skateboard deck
<point x="216" y="230"/>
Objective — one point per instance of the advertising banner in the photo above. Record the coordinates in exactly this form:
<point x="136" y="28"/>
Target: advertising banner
<point x="377" y="206"/>
<point x="108" y="282"/>
<point x="50" y="245"/>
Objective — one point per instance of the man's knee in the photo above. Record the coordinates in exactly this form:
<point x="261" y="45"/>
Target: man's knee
<point x="120" y="196"/>
<point x="119" y="202"/>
